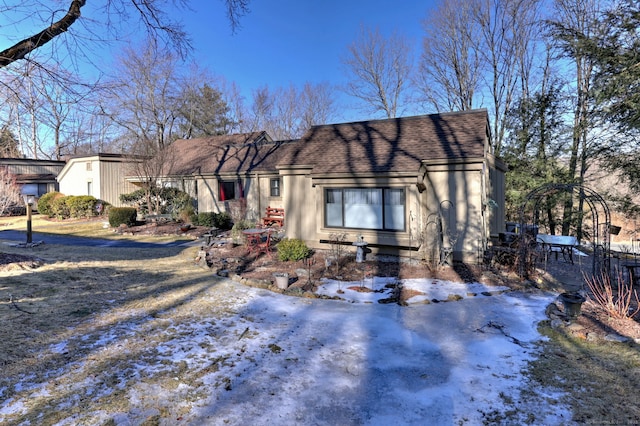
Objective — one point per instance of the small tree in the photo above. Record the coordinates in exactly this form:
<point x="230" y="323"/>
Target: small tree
<point x="337" y="239"/>
<point x="167" y="200"/>
<point x="9" y="191"/>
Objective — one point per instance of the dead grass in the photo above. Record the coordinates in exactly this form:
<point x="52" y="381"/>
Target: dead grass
<point x="600" y="378"/>
<point x="80" y="294"/>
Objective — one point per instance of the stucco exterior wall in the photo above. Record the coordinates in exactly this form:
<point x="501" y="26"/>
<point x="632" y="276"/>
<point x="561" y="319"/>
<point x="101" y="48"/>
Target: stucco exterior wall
<point x="300" y="206"/>
<point x="455" y="199"/>
<point x="256" y="191"/>
<point x="75" y="179"/>
<point x="305" y="212"/>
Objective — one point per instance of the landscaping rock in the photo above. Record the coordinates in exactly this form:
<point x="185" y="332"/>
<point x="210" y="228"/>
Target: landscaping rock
<point x="612" y="337"/>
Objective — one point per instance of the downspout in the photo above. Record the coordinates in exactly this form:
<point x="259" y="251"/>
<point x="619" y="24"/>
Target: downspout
<point x="259" y="196"/>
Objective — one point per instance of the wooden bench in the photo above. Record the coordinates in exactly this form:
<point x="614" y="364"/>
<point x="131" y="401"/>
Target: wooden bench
<point x="273" y="216"/>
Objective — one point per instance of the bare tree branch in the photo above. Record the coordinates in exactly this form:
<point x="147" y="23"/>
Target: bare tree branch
<point x="379" y="71"/>
<point x="152" y="13"/>
<point x="22" y="48"/>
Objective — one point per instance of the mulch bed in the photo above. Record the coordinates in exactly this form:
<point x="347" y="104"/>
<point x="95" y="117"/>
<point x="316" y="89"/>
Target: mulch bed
<point x="9" y="262"/>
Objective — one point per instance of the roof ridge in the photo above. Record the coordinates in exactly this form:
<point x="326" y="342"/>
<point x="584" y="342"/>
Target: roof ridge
<point x="406" y="118"/>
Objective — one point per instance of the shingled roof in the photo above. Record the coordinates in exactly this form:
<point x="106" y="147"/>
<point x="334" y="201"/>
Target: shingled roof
<point x="238" y="153"/>
<point x="399" y="144"/>
<point x="377" y="146"/>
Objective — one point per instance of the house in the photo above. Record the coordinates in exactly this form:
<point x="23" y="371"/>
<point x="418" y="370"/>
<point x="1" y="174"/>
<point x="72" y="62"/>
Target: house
<point x="227" y="172"/>
<point x="35" y="177"/>
<point x="419" y="184"/>
<point x="100" y="175"/>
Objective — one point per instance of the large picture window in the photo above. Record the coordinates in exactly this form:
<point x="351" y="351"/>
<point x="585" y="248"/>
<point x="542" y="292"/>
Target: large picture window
<point x="365" y="208"/>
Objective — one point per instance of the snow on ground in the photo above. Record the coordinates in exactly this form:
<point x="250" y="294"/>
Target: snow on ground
<point x="376" y="288"/>
<point x="270" y="359"/>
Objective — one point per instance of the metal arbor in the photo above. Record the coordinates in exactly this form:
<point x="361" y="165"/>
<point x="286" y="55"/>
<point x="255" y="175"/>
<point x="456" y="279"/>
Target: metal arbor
<point x="600" y="217"/>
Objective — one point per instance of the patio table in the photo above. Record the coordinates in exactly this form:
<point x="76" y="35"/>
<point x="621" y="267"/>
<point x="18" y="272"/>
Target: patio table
<point x="559" y="244"/>
<point x="258" y="240"/>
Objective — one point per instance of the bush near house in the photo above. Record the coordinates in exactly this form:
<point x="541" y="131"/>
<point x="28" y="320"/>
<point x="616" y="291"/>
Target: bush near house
<point x="59" y="208"/>
<point x="292" y="249"/>
<point x="55" y="204"/>
<point x="45" y="203"/>
<point x="122" y="215"/>
<point x="213" y="220"/>
<point x="82" y="206"/>
<point x="167" y="200"/>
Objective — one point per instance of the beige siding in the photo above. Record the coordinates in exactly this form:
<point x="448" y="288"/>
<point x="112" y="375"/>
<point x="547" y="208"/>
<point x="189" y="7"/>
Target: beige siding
<point x="305" y="213"/>
<point x="106" y="174"/>
<point x="265" y="199"/>
<point x="301" y="208"/>
<point x="256" y="192"/>
<point x="207" y="198"/>
<point x="112" y="182"/>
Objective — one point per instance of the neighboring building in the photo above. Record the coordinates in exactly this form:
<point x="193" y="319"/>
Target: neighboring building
<point x="404" y="185"/>
<point x="35" y="177"/>
<point x="100" y="175"/>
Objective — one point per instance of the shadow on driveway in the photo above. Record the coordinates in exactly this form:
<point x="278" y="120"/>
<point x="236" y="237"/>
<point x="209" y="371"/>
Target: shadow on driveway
<point x="21" y="236"/>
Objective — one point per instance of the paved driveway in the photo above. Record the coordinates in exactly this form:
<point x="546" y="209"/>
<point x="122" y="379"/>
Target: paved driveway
<point x="20" y="236"/>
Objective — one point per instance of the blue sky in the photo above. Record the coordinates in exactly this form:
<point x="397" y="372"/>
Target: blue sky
<point x="294" y="41"/>
<point x="279" y="42"/>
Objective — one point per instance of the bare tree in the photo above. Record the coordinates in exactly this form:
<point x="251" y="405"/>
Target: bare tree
<point x="286" y="113"/>
<point x="475" y="50"/>
<point x="23" y="104"/>
<point x="114" y="15"/>
<point x="90" y="132"/>
<point x="236" y="103"/>
<point x="142" y="101"/>
<point x="60" y="100"/>
<point x="317" y="102"/>
<point x="508" y="30"/>
<point x="59" y="26"/>
<point x="379" y="71"/>
<point x="143" y="97"/>
<point x="450" y="68"/>
<point x="9" y="190"/>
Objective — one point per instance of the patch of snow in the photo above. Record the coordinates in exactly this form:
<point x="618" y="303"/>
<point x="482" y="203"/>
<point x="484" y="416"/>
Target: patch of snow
<point x="275" y="359"/>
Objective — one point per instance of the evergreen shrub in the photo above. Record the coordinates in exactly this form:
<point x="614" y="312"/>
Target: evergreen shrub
<point x="214" y="220"/>
<point x="122" y="215"/>
<point x="44" y="203"/>
<point x="292" y="249"/>
<point x="81" y="206"/>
